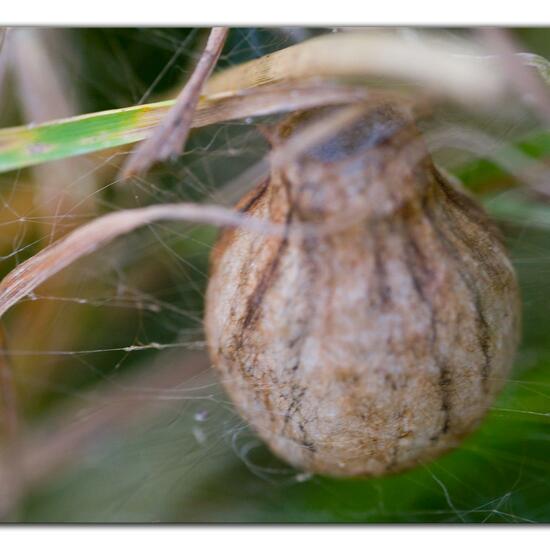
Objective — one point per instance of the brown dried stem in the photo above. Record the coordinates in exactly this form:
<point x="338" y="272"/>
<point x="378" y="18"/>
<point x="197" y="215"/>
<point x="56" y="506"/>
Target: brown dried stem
<point x="169" y="138"/>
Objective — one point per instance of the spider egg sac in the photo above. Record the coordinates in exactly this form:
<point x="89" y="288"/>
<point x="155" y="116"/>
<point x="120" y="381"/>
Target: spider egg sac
<point x="376" y="344"/>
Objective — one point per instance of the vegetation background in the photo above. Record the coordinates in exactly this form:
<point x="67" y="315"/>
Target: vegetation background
<point x="120" y="416"/>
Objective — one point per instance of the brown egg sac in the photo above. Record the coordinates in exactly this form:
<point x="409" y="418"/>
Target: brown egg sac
<point x="379" y="343"/>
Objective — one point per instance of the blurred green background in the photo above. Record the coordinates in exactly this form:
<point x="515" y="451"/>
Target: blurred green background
<point x="119" y="334"/>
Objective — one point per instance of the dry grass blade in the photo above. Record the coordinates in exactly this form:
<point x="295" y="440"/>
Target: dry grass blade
<point x="444" y="67"/>
<point x="3" y="33"/>
<point x="86" y="239"/>
<point x="509" y="157"/>
<point x="538" y="62"/>
<point x="4" y="60"/>
<point x="280" y="98"/>
<point x="33" y="66"/>
<point x="169" y="138"/>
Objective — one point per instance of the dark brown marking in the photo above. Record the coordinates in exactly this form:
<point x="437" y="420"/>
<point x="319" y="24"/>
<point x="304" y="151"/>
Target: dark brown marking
<point x="384" y="289"/>
<point x="420" y="275"/>
<point x="253" y="197"/>
<point x="467" y="206"/>
<point x="254" y="302"/>
<point x="483" y="330"/>
<point x="297" y="391"/>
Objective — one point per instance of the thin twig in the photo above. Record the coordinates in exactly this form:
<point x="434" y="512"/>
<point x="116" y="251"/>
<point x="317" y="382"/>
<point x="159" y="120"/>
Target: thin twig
<point x="169" y="138"/>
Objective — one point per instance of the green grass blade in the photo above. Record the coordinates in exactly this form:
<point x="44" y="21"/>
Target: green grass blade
<point x="29" y="145"/>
